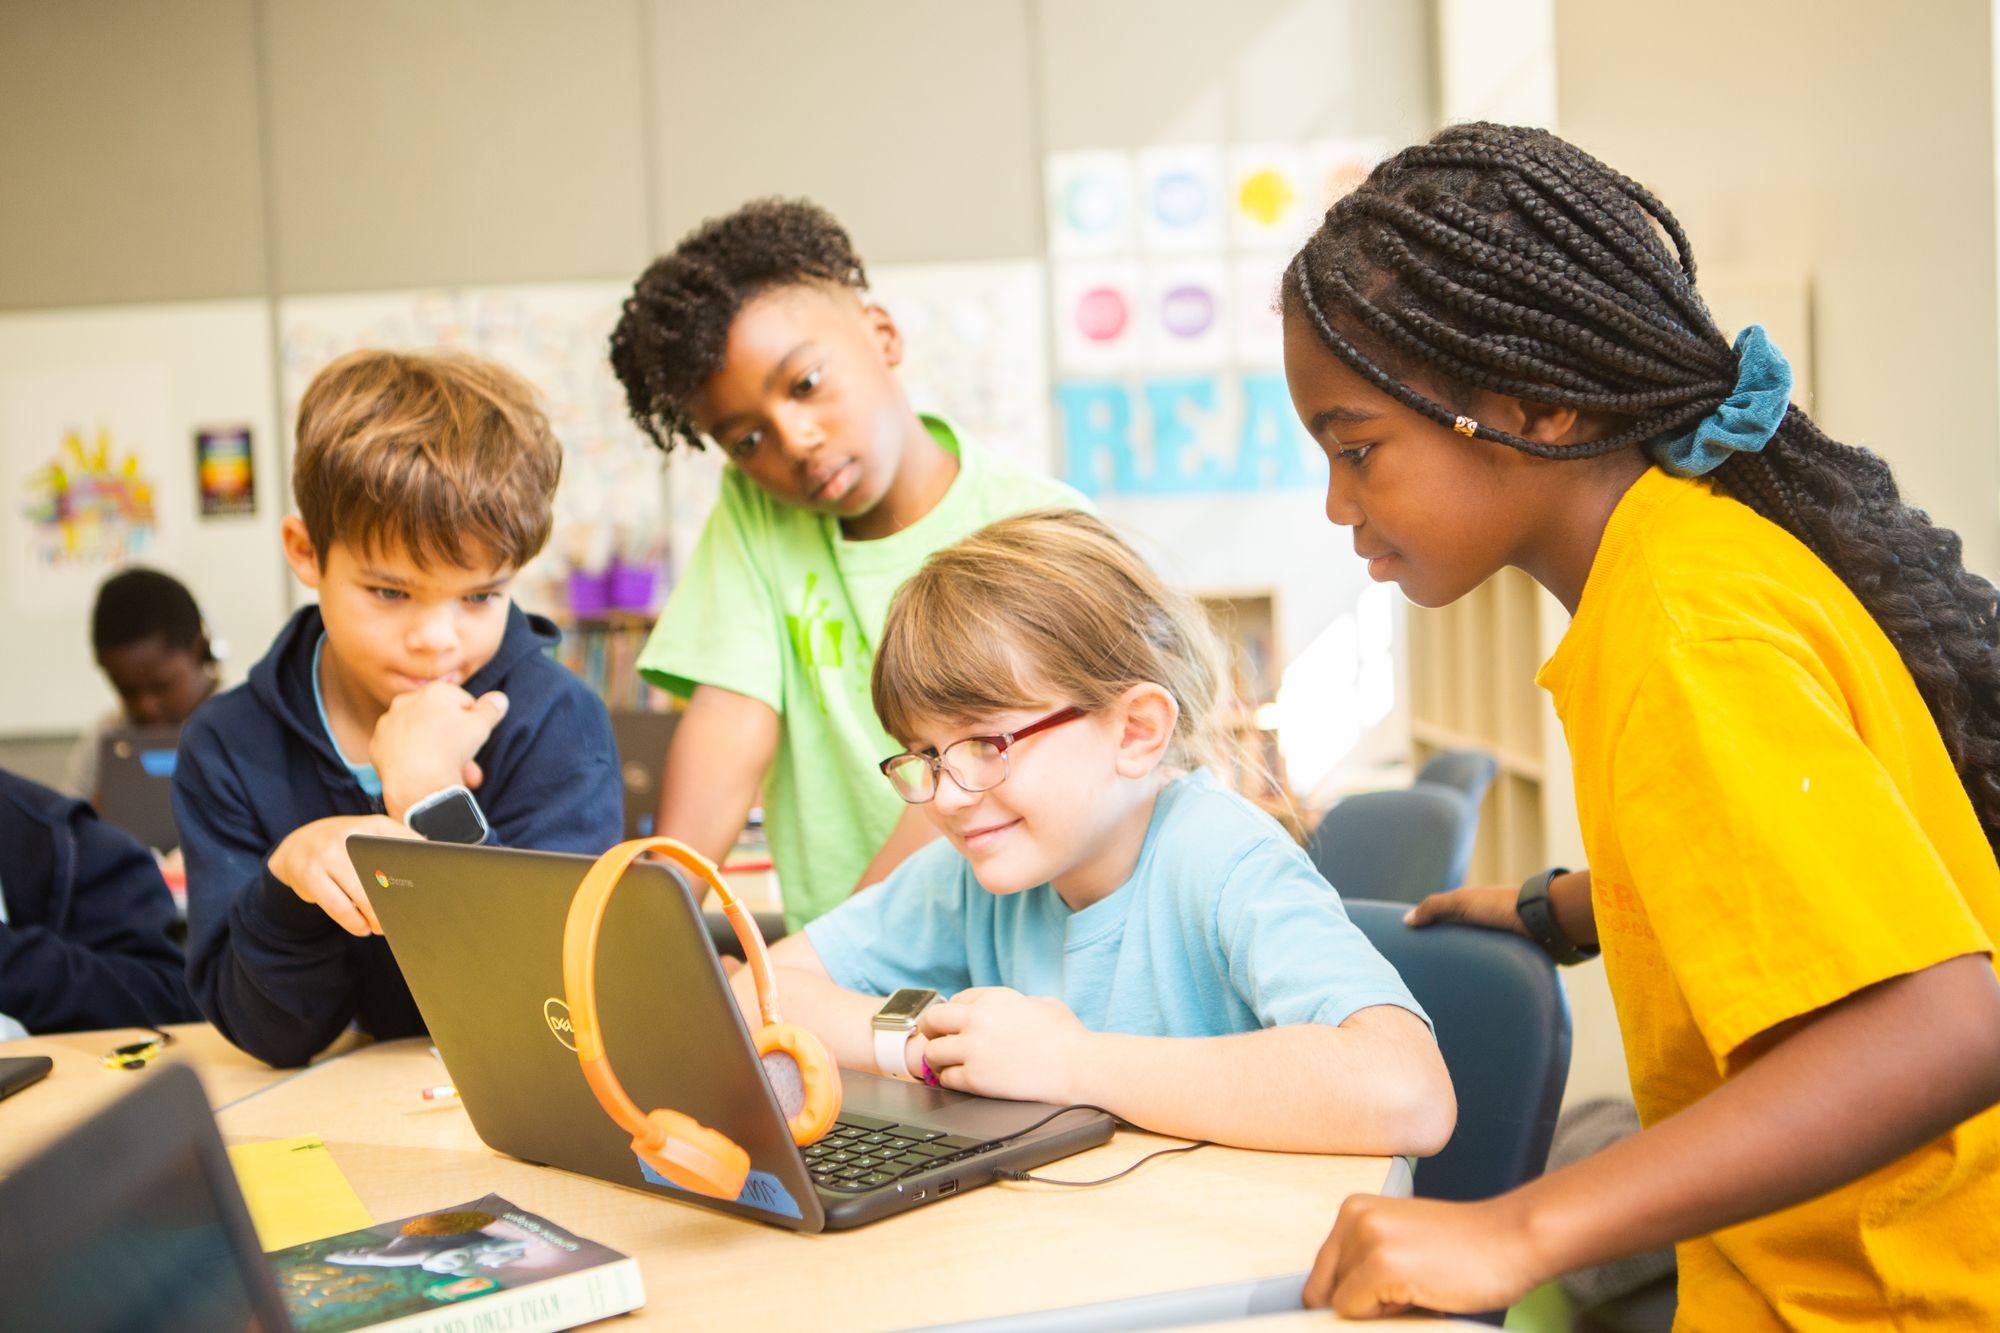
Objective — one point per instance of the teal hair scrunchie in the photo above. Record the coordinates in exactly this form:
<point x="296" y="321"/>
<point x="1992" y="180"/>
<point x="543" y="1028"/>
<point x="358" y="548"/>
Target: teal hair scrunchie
<point x="1747" y="419"/>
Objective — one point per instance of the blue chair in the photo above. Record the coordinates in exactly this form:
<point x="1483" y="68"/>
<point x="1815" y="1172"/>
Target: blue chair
<point x="1502" y="1023"/>
<point x="1469" y="771"/>
<point x="1399" y="845"/>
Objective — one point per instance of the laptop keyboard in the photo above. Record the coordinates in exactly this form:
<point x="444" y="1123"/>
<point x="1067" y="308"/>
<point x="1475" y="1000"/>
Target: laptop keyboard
<point x="862" y="1153"/>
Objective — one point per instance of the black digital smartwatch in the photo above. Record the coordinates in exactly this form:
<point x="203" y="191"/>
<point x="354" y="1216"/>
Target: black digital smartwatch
<point x="448" y="815"/>
<point x="1538" y="918"/>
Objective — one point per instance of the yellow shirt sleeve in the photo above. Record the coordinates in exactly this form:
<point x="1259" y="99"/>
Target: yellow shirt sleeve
<point x="1777" y="862"/>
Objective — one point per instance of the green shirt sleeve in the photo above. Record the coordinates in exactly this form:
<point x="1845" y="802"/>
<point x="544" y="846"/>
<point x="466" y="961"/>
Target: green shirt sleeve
<point x="718" y="625"/>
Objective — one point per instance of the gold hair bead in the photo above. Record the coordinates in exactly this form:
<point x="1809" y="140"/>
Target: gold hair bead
<point x="1465" y="426"/>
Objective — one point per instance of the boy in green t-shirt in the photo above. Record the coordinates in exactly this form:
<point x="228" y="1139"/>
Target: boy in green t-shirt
<point x="756" y="333"/>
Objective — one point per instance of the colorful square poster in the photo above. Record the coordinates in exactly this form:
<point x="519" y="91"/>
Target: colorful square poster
<point x="1271" y="198"/>
<point x="1185" y="315"/>
<point x="224" y="470"/>
<point x="1181" y="198"/>
<point x="1098" y="306"/>
<point x="1091" y="203"/>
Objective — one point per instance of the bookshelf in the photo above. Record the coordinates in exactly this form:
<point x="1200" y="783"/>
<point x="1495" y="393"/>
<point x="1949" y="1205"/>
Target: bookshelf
<point x="604" y="651"/>
<point x="1247" y="625"/>
<point x="1472" y="686"/>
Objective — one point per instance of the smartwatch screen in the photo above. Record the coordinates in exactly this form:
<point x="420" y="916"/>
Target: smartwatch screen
<point x="905" y="1005"/>
<point x="450" y="816"/>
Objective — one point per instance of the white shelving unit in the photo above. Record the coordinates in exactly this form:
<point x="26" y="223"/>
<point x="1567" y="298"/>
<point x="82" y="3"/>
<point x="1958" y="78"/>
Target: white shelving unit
<point x="1472" y="686"/>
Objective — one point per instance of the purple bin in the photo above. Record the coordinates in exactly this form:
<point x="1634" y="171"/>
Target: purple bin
<point x="589" y="593"/>
<point x="633" y="586"/>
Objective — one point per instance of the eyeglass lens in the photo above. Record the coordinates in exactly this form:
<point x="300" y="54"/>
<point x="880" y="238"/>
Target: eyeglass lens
<point x="975" y="765"/>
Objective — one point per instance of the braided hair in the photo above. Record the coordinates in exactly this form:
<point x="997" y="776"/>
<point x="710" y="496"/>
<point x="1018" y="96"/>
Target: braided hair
<point x="1504" y="259"/>
<point x="675" y="324"/>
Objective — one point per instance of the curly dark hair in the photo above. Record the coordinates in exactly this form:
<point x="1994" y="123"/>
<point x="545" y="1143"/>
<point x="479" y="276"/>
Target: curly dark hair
<point x="676" y="322"/>
<point x="1505" y="259"/>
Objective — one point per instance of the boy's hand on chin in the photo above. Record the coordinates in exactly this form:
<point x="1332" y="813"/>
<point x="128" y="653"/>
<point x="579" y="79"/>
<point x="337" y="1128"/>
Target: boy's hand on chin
<point x="997" y="1042"/>
<point x="312" y="862"/>
<point x="426" y="740"/>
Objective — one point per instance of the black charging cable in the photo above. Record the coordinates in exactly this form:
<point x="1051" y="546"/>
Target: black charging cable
<point x="1004" y="1174"/>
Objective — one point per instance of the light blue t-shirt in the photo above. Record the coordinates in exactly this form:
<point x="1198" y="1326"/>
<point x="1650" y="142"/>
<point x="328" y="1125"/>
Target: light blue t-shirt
<point x="365" y="774"/>
<point x="1224" y="927"/>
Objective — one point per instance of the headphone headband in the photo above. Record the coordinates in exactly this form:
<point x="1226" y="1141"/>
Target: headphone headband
<point x="586" y="914"/>
<point x="688" y="1153"/>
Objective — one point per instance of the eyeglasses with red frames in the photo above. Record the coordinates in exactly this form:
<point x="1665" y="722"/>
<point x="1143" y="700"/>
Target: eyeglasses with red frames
<point x="977" y="763"/>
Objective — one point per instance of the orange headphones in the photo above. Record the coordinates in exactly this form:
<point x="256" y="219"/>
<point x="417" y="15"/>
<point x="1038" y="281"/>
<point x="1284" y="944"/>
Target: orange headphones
<point x="803" y="1076"/>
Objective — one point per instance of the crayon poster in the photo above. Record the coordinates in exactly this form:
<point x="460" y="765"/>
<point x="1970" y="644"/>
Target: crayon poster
<point x="87" y="496"/>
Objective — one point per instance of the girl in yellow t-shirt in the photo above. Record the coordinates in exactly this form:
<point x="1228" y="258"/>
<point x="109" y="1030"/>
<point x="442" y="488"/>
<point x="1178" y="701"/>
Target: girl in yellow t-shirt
<point x="1781" y="693"/>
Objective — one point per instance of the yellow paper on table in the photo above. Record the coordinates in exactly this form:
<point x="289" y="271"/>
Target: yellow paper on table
<point x="296" y="1191"/>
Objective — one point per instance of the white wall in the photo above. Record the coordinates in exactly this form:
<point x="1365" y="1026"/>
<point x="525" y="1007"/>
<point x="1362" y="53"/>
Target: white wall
<point x="1854" y="141"/>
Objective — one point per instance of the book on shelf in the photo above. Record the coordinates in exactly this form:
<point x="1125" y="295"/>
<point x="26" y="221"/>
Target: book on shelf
<point x="483" y="1264"/>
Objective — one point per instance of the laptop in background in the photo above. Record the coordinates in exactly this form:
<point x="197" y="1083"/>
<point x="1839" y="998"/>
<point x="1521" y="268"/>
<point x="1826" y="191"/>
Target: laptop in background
<point x="135" y="783"/>
<point x="642" y="738"/>
<point x="478" y="934"/>
<point x="135" y="1221"/>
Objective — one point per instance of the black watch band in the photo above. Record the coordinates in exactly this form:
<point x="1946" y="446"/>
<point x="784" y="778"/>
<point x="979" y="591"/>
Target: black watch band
<point x="1538" y="918"/>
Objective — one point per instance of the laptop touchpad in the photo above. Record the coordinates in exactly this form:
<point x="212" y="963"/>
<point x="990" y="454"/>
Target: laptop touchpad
<point x="956" y="1112"/>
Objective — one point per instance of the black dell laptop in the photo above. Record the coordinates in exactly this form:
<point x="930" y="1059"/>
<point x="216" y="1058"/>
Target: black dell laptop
<point x="478" y="933"/>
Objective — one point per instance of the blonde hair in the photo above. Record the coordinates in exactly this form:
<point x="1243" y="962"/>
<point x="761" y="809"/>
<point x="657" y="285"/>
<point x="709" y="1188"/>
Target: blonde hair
<point x="1046" y="606"/>
<point x="444" y="455"/>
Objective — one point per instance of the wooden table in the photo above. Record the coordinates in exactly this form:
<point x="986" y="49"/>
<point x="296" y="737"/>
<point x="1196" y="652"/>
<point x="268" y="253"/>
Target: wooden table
<point x="80" y="1085"/>
<point x="1218" y="1216"/>
<point x="1317" y="1321"/>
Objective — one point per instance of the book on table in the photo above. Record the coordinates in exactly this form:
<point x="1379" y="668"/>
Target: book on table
<point x="476" y="1262"/>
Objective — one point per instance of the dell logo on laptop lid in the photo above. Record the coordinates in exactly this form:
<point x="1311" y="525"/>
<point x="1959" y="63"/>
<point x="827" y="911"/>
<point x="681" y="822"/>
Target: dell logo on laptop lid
<point x="556" y="1014"/>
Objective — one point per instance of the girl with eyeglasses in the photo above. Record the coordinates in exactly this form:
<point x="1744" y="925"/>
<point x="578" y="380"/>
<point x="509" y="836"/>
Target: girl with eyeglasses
<point x="1109" y="924"/>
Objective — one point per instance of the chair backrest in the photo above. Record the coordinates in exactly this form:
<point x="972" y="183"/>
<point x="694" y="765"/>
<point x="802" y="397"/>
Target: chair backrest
<point x="1469" y="771"/>
<point x="1400" y="844"/>
<point x="1502" y="1023"/>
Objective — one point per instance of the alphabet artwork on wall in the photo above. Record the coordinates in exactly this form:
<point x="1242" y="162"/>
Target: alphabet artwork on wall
<point x="1164" y="273"/>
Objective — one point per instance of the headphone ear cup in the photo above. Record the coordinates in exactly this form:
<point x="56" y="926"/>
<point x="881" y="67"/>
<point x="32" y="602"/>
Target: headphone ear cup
<point x="692" y="1155"/>
<point x="804" y="1077"/>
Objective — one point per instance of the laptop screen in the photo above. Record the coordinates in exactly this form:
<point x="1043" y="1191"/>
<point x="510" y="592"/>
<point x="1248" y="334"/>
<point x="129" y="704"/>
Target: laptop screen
<point x="134" y="1221"/>
<point x="135" y="772"/>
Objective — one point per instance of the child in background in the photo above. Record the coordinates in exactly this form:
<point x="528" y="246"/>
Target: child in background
<point x="756" y="333"/>
<point x="1110" y="924"/>
<point x="414" y="700"/>
<point x="83" y="921"/>
<point x="1781" y="694"/>
<point x="153" y="647"/>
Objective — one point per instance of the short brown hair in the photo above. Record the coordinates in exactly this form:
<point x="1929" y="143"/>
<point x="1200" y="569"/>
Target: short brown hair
<point x="1042" y="607"/>
<point x="444" y="455"/>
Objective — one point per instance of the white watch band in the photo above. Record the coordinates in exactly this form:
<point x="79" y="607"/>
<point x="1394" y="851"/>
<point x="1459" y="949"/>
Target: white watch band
<point x="890" y="1044"/>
